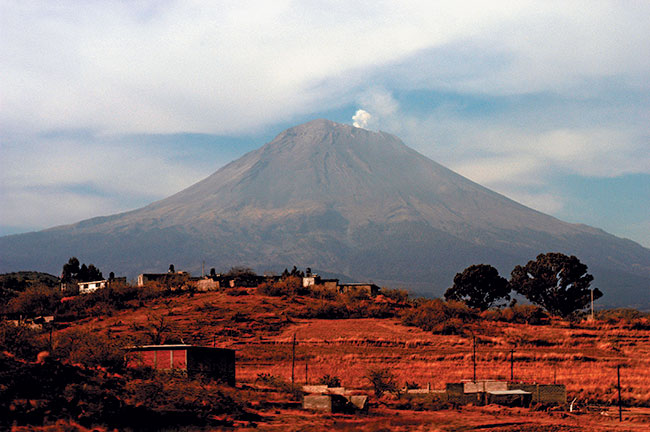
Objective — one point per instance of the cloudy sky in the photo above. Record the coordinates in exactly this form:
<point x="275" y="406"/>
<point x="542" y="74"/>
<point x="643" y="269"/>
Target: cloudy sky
<point x="106" y="106"/>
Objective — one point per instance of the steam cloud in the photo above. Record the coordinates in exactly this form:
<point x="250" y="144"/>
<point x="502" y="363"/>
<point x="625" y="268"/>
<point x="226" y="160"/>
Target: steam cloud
<point x="361" y="119"/>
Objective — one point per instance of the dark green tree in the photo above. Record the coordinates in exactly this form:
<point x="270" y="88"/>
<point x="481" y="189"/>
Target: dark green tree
<point x="557" y="282"/>
<point x="479" y="286"/>
<point x="70" y="270"/>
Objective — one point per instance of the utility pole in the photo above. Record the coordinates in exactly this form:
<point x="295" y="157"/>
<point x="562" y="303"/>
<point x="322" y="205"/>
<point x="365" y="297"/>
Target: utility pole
<point x="512" y="365"/>
<point x="203" y="268"/>
<point x="474" y="355"/>
<point x="293" y="362"/>
<point x="306" y="373"/>
<point x="620" y="409"/>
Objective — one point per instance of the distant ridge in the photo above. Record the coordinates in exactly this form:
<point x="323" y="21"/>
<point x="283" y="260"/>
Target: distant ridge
<point x="342" y="200"/>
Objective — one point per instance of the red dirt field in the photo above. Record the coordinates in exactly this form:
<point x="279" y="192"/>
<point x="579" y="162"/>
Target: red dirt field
<point x="581" y="356"/>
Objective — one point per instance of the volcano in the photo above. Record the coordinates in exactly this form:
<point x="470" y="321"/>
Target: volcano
<point x="345" y="201"/>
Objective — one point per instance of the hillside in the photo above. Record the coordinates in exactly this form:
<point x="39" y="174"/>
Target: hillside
<point x="341" y="200"/>
<point x="583" y="356"/>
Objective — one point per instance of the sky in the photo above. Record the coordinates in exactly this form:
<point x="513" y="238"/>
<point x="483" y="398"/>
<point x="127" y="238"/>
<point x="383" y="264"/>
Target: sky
<point x="106" y="106"/>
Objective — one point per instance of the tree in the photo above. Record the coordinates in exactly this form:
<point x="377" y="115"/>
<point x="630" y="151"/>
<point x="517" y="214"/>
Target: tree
<point x="36" y="300"/>
<point x="70" y="270"/>
<point x="479" y="286"/>
<point x="241" y="271"/>
<point x="557" y="282"/>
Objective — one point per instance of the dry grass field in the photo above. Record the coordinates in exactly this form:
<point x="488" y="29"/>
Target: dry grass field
<point x="583" y="356"/>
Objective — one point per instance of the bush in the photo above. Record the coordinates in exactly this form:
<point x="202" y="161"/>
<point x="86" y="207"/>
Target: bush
<point x="383" y="381"/>
<point x="289" y="286"/>
<point x="21" y="341"/>
<point x="279" y="384"/>
<point x="438" y="316"/>
<point x="398" y="295"/>
<point x="325" y="310"/>
<point x="621" y="315"/>
<point x="524" y="314"/>
<point x="35" y="301"/>
<point x="90" y="349"/>
<point x="330" y="381"/>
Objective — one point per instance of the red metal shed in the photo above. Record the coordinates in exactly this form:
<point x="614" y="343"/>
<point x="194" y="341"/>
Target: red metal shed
<point x="216" y="363"/>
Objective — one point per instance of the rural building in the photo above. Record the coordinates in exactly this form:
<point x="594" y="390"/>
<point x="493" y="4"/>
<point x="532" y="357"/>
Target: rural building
<point x="543" y="393"/>
<point x="368" y="288"/>
<point x="313" y="280"/>
<point x="215" y="363"/>
<point x="316" y="281"/>
<point x="205" y="283"/>
<point x="333" y="399"/>
<point x="88" y="287"/>
<point x="505" y="393"/>
<point x="169" y="279"/>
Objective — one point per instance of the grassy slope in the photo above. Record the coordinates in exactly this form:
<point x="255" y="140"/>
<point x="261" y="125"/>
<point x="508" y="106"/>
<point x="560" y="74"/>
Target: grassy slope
<point x="258" y="327"/>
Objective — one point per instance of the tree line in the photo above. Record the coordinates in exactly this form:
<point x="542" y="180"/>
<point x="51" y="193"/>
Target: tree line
<point x="557" y="282"/>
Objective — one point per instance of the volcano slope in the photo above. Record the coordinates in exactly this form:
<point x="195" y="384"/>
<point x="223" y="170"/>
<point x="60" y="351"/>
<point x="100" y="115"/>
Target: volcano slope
<point x="344" y="201"/>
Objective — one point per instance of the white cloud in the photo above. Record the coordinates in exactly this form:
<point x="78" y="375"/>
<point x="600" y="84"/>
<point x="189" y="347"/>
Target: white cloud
<point x="51" y="181"/>
<point x="170" y="67"/>
<point x="361" y="118"/>
<point x="236" y="67"/>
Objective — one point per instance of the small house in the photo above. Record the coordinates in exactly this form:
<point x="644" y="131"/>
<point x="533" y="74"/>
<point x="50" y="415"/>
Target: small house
<point x="88" y="287"/>
<point x="367" y="288"/>
<point x="333" y="399"/>
<point x="170" y="279"/>
<point x="505" y="393"/>
<point x="215" y="363"/>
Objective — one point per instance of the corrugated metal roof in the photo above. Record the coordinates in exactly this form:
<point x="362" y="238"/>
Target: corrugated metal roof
<point x="508" y="392"/>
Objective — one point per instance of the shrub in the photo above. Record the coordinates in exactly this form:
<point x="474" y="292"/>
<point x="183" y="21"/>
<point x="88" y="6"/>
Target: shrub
<point x="21" y="341"/>
<point x="398" y="295"/>
<point x="325" y="310"/>
<point x="411" y="385"/>
<point x="433" y="315"/>
<point x="289" y="286"/>
<point x="623" y="316"/>
<point x="90" y="349"/>
<point x="280" y="384"/>
<point x="525" y="314"/>
<point x="36" y="300"/>
<point x="383" y="381"/>
<point x="330" y="381"/>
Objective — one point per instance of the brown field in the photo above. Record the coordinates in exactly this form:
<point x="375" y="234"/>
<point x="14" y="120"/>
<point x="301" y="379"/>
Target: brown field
<point x="582" y="356"/>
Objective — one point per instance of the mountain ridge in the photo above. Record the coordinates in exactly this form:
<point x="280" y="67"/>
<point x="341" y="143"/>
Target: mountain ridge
<point x="343" y="200"/>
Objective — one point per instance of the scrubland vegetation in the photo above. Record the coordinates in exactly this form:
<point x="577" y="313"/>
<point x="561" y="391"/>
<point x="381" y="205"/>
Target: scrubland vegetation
<point x="377" y="344"/>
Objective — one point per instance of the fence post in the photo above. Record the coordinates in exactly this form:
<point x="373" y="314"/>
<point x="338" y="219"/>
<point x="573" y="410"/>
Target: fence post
<point x="620" y="409"/>
<point x="474" y="355"/>
<point x="293" y="362"/>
